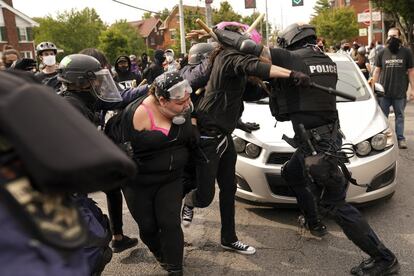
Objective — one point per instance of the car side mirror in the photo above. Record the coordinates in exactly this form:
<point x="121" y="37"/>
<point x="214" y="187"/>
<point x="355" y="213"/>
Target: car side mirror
<point x="379" y="90"/>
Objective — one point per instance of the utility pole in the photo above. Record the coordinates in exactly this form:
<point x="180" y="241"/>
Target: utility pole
<point x="267" y="27"/>
<point x="208" y="13"/>
<point x="370" y="28"/>
<point x="182" y="33"/>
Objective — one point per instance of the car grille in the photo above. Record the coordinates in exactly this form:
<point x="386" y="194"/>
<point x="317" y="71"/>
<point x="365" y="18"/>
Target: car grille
<point x="278" y="185"/>
<point x="383" y="179"/>
<point x="279" y="158"/>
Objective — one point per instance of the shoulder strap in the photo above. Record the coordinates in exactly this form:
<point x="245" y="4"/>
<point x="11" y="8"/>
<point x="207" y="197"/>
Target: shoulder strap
<point x="150" y="114"/>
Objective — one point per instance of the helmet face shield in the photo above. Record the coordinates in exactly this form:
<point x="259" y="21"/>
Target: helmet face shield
<point x="104" y="86"/>
<point x="179" y="90"/>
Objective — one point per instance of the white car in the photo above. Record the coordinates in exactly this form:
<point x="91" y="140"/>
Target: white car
<point x="262" y="153"/>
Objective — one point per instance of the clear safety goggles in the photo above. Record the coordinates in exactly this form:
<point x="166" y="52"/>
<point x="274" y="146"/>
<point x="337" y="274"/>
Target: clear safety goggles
<point x="105" y="87"/>
<point x="179" y="90"/>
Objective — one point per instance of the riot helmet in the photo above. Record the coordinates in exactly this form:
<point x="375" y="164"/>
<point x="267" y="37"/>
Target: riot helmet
<point x="45" y="46"/>
<point x="294" y="33"/>
<point x="199" y="52"/>
<point x="84" y="73"/>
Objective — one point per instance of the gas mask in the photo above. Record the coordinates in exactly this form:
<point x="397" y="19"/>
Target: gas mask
<point x="49" y="60"/>
<point x="394" y="44"/>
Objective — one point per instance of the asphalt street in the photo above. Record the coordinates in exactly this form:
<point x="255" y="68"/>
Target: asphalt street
<point x="282" y="247"/>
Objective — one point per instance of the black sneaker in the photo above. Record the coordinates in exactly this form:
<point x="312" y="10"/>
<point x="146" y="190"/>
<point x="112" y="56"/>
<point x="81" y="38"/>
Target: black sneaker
<point x="365" y="264"/>
<point x="187" y="214"/>
<point x="239" y="247"/>
<point x="381" y="267"/>
<point x="317" y="229"/>
<point x="125" y="243"/>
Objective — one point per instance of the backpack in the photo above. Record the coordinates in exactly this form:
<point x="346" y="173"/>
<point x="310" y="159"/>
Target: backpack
<point x="96" y="251"/>
<point x="119" y="126"/>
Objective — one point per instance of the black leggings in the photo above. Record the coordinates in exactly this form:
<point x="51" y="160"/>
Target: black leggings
<point x="156" y="208"/>
<point x="114" y="202"/>
<point x="221" y="164"/>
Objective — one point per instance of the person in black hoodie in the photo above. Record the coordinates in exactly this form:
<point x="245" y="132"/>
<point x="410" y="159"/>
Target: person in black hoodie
<point x="156" y="68"/>
<point x="124" y="75"/>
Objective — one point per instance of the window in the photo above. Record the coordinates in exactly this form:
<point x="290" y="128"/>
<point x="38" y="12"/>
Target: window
<point x="26" y="54"/>
<point x="3" y="36"/>
<point x="152" y="41"/>
<point x="347" y="2"/>
<point x="173" y="33"/>
<point x="22" y="34"/>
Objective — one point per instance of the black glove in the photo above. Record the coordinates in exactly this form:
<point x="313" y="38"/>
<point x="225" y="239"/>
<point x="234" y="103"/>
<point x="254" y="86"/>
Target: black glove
<point x="247" y="127"/>
<point x="25" y="64"/>
<point x="300" y="79"/>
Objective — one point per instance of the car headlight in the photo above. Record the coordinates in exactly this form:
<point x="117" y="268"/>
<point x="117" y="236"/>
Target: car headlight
<point x="363" y="148"/>
<point x="252" y="150"/>
<point x="379" y="141"/>
<point x="239" y="144"/>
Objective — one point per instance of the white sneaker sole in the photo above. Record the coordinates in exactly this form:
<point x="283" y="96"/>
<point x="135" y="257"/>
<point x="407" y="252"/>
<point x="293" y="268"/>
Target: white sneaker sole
<point x="244" y="252"/>
<point x="186" y="223"/>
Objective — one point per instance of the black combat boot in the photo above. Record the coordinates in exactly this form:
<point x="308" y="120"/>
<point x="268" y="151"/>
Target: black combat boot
<point x="381" y="267"/>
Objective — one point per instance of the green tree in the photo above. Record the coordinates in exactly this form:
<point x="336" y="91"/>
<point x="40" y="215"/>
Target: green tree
<point x="321" y="5"/>
<point x="402" y="13"/>
<point x="336" y="24"/>
<point x="71" y="31"/>
<point x="164" y="14"/>
<point x="120" y="39"/>
<point x="146" y="15"/>
<point x="225" y="13"/>
<point x="190" y="15"/>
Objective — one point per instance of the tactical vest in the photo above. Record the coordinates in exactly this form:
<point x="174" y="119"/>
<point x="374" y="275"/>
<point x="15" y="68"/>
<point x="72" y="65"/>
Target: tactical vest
<point x="289" y="98"/>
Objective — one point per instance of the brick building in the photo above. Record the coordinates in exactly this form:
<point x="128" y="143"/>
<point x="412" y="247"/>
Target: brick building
<point x="16" y="29"/>
<point x="171" y="26"/>
<point x="362" y="6"/>
<point x="150" y="30"/>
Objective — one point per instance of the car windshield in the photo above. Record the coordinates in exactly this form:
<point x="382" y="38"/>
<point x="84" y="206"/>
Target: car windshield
<point x="350" y="81"/>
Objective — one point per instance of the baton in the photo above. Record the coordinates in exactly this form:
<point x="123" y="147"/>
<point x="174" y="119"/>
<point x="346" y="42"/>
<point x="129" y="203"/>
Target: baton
<point x="254" y="24"/>
<point x="332" y="91"/>
<point x="144" y="81"/>
<point x="206" y="28"/>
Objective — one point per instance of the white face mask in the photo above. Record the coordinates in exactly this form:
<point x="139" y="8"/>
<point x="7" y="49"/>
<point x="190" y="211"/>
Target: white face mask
<point x="169" y="58"/>
<point x="49" y="60"/>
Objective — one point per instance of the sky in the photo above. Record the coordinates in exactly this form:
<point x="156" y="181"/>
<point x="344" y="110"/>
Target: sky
<point x="280" y="12"/>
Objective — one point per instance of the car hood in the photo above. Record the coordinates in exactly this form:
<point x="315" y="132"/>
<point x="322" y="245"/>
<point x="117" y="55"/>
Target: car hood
<point x="359" y="120"/>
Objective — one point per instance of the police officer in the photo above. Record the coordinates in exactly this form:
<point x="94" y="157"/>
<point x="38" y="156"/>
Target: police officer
<point x="41" y="229"/>
<point x="90" y="89"/>
<point x="318" y="140"/>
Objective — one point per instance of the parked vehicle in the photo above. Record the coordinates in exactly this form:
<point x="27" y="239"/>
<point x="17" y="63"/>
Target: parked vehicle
<point x="262" y="153"/>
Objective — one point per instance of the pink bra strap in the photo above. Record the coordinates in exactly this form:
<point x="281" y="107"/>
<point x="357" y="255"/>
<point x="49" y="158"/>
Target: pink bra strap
<point x="153" y="126"/>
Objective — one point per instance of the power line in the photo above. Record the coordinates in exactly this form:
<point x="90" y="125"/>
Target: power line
<point x="135" y="7"/>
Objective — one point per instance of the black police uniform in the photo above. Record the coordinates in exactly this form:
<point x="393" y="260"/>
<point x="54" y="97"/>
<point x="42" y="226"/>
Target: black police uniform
<point x="217" y="115"/>
<point x="316" y="111"/>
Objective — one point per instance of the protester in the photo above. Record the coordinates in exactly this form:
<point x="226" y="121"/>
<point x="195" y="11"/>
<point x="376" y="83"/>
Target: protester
<point x="46" y="52"/>
<point x="159" y="128"/>
<point x="394" y="70"/>
<point x="125" y="77"/>
<point x="156" y="67"/>
<point x="170" y="63"/>
<point x="217" y="115"/>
